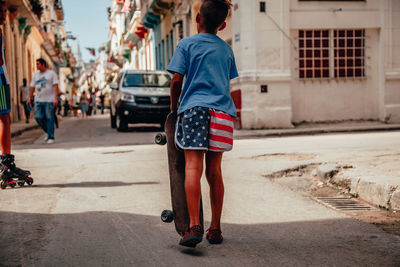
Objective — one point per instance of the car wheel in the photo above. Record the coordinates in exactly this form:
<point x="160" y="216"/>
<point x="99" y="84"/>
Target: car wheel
<point x="113" y="120"/>
<point x="121" y="124"/>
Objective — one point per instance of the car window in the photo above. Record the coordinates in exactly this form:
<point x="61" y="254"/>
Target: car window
<point x="146" y="80"/>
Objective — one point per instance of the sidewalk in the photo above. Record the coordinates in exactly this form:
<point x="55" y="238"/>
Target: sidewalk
<point x="379" y="187"/>
<point x="319" y="128"/>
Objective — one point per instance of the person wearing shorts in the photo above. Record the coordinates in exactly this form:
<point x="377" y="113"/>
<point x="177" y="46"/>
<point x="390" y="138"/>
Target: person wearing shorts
<point x="84" y="103"/>
<point x="204" y="125"/>
<point x="8" y="169"/>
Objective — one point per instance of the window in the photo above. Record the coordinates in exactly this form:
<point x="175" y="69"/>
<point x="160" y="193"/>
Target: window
<point x="331" y="53"/>
<point x="349" y="53"/>
<point x="314" y="54"/>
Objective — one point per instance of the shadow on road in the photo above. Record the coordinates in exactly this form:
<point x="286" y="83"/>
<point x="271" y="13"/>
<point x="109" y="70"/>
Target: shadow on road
<point x="93" y="184"/>
<point x="126" y="239"/>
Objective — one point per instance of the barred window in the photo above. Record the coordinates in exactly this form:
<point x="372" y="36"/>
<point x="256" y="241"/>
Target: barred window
<point x="349" y="53"/>
<point x="314" y="53"/>
<point x="318" y="48"/>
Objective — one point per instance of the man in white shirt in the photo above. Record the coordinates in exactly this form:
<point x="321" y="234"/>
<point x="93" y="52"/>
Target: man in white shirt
<point x="45" y="83"/>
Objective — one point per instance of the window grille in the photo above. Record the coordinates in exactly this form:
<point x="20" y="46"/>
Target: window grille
<point x="349" y="49"/>
<point x="318" y="48"/>
<point x="314" y="53"/>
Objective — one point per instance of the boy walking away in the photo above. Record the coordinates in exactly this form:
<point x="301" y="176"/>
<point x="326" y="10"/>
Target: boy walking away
<point x="24" y="98"/>
<point x="205" y="125"/>
<point x="8" y="170"/>
<point x="45" y="82"/>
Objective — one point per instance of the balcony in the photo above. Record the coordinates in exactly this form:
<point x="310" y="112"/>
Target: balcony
<point x="59" y="10"/>
<point x="49" y="46"/>
<point x="25" y="10"/>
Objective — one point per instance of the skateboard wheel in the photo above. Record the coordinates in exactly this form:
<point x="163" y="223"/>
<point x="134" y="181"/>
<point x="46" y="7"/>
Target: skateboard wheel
<point x="21" y="184"/>
<point x="167" y="216"/>
<point x="160" y="139"/>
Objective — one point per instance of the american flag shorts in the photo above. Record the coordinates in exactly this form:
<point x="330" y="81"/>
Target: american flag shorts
<point x="201" y="128"/>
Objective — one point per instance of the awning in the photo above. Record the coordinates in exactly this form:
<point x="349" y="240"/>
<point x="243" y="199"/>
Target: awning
<point x="151" y="20"/>
<point x="161" y="7"/>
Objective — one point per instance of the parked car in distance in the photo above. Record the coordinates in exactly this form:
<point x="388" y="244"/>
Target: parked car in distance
<point x="139" y="96"/>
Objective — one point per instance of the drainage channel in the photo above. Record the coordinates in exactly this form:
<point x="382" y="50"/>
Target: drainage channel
<point x="344" y="203"/>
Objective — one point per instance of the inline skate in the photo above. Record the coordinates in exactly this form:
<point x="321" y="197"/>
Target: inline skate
<point x="11" y="175"/>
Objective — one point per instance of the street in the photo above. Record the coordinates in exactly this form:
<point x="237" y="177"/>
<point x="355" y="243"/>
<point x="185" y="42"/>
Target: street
<point x="98" y="195"/>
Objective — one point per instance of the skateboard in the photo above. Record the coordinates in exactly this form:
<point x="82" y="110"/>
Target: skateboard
<point x="176" y="165"/>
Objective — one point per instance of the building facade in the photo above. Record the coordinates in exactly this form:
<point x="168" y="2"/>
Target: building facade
<point x="298" y="60"/>
<point x="316" y="61"/>
<point x="34" y="29"/>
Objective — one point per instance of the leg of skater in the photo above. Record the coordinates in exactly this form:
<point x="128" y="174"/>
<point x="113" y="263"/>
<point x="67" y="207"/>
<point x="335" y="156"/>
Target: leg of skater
<point x="215" y="181"/>
<point x="193" y="172"/>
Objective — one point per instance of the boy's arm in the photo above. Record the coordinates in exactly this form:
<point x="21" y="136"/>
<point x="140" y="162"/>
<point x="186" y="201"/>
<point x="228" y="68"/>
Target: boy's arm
<point x="176" y="88"/>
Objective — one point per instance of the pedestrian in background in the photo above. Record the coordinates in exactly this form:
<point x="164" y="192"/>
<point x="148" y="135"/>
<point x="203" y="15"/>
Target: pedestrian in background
<point x="75" y="104"/>
<point x="102" y="102"/>
<point x="45" y="83"/>
<point x="24" y="89"/>
<point x="93" y="102"/>
<point x="8" y="170"/>
<point x="59" y="104"/>
<point x="66" y="105"/>
<point x="84" y="103"/>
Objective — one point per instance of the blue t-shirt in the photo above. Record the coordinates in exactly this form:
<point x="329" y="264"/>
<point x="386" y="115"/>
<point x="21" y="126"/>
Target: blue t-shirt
<point x="209" y="64"/>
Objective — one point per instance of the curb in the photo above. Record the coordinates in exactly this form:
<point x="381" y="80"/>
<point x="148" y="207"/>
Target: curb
<point x="242" y="134"/>
<point x="20" y="131"/>
<point x="382" y="195"/>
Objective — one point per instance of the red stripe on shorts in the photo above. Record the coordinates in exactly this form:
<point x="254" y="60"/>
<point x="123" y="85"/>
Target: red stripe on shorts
<point x="220" y="115"/>
<point x="221" y="139"/>
<point x="222" y="127"/>
<point x="216" y="148"/>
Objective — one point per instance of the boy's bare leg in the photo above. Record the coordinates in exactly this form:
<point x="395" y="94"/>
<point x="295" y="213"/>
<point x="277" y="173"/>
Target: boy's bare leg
<point x="193" y="172"/>
<point x="5" y="133"/>
<point x="215" y="181"/>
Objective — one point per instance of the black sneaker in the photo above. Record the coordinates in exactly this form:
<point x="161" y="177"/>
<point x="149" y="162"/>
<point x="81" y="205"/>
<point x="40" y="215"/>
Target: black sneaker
<point x="192" y="237"/>
<point x="214" y="236"/>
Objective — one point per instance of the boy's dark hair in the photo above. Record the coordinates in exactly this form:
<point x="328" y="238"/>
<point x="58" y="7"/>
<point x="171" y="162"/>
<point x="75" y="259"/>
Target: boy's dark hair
<point x="214" y="13"/>
<point x="42" y="61"/>
<point x="2" y="3"/>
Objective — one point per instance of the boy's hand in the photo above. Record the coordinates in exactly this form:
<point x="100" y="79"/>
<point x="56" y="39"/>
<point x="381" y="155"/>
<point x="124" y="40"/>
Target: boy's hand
<point x="176" y="88"/>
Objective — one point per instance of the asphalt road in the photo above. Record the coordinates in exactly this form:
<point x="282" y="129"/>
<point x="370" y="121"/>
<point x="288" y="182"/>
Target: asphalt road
<point x="98" y="195"/>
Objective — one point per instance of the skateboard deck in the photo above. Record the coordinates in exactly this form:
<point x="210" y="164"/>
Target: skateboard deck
<point x="176" y="165"/>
